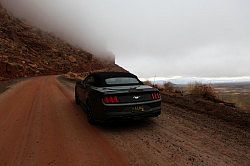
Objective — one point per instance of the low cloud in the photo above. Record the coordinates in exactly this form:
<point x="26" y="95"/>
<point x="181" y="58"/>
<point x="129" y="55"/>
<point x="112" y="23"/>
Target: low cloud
<point x="165" y="38"/>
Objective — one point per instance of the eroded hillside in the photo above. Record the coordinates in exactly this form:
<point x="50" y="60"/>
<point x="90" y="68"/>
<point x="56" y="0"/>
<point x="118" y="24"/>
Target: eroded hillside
<point x="26" y="51"/>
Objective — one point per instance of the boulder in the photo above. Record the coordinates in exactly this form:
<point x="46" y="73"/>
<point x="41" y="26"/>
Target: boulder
<point x="33" y="65"/>
<point x="72" y="59"/>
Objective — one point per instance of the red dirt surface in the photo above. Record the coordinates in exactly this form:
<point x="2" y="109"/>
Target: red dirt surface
<point x="41" y="125"/>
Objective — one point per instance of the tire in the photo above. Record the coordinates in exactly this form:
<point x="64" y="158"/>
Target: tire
<point x="90" y="116"/>
<point x="77" y="99"/>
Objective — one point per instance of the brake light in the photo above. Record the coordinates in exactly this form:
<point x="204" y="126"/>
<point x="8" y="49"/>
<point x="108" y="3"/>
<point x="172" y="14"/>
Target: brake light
<point x="110" y="99"/>
<point x="155" y="95"/>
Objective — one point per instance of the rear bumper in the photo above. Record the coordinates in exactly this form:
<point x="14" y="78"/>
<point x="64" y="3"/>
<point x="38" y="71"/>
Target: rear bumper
<point x="122" y="115"/>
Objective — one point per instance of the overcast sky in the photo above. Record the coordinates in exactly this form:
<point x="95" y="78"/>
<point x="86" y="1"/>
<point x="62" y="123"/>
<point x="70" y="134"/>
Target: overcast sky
<point x="195" y="38"/>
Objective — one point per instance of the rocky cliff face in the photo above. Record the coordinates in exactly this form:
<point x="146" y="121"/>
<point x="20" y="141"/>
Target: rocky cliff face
<point x="26" y="51"/>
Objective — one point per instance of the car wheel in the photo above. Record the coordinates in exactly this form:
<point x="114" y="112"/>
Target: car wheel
<point x="77" y="99"/>
<point x="90" y="116"/>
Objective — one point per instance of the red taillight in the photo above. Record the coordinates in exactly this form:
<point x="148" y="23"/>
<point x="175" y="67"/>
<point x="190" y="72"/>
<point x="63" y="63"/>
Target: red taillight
<point x="115" y="99"/>
<point x="110" y="99"/>
<point x="155" y="95"/>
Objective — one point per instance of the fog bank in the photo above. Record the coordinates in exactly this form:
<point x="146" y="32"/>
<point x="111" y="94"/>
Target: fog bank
<point x="196" y="38"/>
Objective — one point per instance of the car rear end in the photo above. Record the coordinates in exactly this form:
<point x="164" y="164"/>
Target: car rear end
<point x="132" y="104"/>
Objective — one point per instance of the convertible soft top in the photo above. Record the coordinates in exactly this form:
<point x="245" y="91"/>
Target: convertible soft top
<point x="106" y="75"/>
<point x="101" y="76"/>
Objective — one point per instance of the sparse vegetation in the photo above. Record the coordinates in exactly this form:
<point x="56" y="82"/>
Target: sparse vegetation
<point x="171" y="88"/>
<point x="204" y="90"/>
<point x="168" y="87"/>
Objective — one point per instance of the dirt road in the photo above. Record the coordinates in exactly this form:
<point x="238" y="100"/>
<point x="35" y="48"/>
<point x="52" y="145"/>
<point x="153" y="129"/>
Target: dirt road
<point x="41" y="125"/>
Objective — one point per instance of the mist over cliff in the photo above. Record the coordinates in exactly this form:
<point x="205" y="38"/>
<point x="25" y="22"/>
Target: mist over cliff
<point x="164" y="38"/>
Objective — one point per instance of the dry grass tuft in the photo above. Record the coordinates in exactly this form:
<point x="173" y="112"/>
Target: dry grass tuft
<point x="205" y="90"/>
<point x="168" y="87"/>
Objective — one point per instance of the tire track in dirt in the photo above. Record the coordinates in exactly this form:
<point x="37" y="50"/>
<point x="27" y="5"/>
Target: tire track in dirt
<point x="13" y="123"/>
<point x="29" y="120"/>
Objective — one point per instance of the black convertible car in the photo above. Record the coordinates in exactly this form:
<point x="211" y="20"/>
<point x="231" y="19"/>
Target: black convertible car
<point x="108" y="96"/>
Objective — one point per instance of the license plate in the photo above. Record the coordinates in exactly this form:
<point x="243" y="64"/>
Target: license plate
<point x="137" y="109"/>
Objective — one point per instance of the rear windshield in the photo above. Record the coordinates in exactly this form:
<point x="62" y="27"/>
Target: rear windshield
<point x="121" y="81"/>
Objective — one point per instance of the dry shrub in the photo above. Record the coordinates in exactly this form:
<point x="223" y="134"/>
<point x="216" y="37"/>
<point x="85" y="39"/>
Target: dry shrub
<point x="168" y="87"/>
<point x="205" y="90"/>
